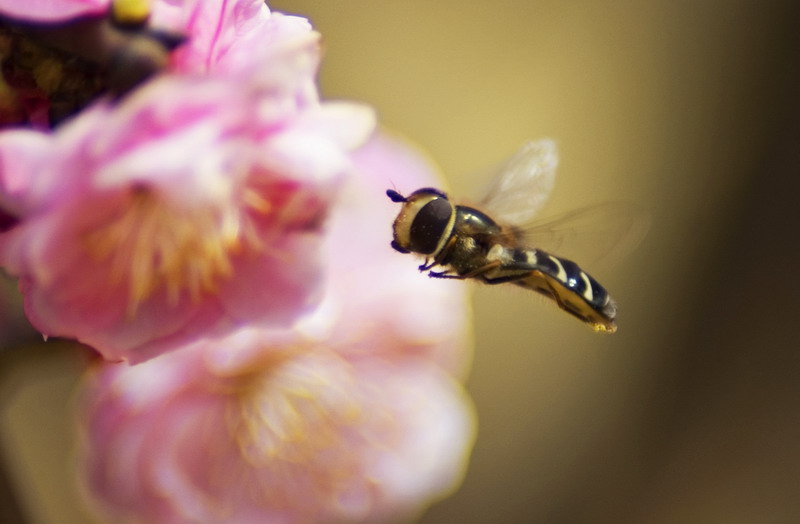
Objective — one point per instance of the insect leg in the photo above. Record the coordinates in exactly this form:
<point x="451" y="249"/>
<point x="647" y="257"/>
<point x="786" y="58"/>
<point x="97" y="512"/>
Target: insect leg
<point x="439" y="256"/>
<point x="556" y="296"/>
<point x="444" y="274"/>
<point x="471" y="274"/>
<point x="427" y="265"/>
<point x="505" y="278"/>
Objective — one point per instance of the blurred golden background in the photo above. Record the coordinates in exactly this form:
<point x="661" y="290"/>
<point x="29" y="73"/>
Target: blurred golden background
<point x="690" y="413"/>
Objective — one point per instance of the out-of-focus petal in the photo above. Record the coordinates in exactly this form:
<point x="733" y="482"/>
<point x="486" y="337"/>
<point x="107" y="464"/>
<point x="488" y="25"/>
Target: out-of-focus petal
<point x="20" y="152"/>
<point x="230" y="37"/>
<point x="309" y="436"/>
<point x="349" y="124"/>
<point x="51" y="10"/>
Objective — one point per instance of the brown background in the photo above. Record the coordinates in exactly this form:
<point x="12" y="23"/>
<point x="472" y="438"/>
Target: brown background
<point x="691" y="412"/>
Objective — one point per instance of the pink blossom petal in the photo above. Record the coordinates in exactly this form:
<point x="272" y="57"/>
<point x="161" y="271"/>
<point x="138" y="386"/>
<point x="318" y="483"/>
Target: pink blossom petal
<point x="51" y="10"/>
<point x="349" y="124"/>
<point x="230" y="37"/>
<point x="20" y="152"/>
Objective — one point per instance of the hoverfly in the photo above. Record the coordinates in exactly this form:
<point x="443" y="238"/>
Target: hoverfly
<point x="466" y="242"/>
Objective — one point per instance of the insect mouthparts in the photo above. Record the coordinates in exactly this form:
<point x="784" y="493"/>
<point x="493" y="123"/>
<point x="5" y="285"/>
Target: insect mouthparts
<point x="398" y="248"/>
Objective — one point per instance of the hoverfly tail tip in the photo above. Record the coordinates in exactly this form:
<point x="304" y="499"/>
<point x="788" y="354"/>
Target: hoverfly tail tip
<point x="395" y="196"/>
<point x="605" y="328"/>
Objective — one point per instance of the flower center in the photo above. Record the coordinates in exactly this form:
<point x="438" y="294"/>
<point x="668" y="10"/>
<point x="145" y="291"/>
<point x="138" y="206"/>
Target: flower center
<point x="296" y="411"/>
<point x="154" y="245"/>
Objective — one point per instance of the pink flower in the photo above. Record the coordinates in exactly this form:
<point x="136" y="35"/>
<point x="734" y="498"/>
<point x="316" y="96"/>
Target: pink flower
<point x="349" y="416"/>
<point x="191" y="208"/>
<point x="308" y="437"/>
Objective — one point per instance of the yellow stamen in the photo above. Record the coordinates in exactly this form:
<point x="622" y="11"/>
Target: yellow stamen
<point x="257" y="202"/>
<point x="294" y="411"/>
<point x="154" y="245"/>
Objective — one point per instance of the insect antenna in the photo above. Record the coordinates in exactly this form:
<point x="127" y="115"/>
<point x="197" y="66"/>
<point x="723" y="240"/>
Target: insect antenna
<point x="395" y="196"/>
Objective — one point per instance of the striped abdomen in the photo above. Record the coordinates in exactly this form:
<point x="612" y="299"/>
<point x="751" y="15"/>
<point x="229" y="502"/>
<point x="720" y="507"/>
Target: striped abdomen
<point x="563" y="280"/>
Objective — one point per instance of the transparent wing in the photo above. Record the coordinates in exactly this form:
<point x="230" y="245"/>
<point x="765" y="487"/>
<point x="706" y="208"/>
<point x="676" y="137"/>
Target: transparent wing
<point x="598" y="234"/>
<point x="523" y="184"/>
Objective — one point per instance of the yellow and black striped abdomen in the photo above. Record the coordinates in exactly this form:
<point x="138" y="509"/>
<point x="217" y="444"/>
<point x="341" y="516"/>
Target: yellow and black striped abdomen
<point x="573" y="289"/>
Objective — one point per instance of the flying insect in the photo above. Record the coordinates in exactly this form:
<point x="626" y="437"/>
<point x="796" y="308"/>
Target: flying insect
<point x="496" y="246"/>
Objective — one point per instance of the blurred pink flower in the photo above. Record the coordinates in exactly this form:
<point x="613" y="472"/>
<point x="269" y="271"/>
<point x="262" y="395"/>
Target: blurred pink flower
<point x="352" y="415"/>
<point x="190" y="208"/>
<point x="307" y="437"/>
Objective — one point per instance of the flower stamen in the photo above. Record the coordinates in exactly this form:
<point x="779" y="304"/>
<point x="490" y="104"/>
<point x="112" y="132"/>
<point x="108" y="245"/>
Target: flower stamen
<point x="154" y="244"/>
<point x="294" y="413"/>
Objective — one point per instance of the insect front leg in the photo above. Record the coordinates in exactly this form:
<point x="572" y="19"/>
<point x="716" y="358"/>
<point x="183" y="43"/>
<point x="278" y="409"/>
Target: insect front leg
<point x="428" y="264"/>
<point x="439" y="257"/>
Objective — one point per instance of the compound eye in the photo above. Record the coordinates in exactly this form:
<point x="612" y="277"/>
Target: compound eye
<point x="429" y="225"/>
